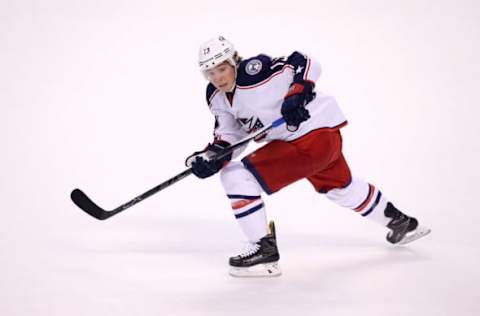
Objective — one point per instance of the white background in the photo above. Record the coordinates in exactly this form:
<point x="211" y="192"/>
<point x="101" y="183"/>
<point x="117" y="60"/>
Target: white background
<point x="106" y="96"/>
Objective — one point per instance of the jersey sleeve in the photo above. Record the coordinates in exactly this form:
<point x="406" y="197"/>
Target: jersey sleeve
<point x="226" y="127"/>
<point x="304" y="67"/>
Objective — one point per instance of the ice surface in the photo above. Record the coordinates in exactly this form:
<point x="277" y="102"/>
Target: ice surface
<point x="105" y="96"/>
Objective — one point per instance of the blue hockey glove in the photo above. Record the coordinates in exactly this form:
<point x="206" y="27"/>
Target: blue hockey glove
<point x="201" y="163"/>
<point x="293" y="107"/>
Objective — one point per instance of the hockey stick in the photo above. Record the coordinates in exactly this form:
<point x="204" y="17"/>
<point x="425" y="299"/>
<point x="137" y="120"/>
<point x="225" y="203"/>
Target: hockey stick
<point x="87" y="205"/>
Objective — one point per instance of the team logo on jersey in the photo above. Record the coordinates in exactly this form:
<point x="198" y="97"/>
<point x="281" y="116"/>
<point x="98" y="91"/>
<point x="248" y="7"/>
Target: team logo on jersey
<point x="251" y="124"/>
<point x="253" y="67"/>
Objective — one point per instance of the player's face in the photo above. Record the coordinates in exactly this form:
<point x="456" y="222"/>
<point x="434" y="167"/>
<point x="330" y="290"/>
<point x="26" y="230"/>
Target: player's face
<point x="222" y="76"/>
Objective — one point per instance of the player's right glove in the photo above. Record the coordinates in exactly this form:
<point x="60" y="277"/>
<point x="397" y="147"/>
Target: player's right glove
<point x="293" y="107"/>
<point x="201" y="163"/>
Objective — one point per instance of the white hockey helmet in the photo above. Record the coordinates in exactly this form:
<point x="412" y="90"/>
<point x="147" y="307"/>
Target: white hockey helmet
<point x="214" y="52"/>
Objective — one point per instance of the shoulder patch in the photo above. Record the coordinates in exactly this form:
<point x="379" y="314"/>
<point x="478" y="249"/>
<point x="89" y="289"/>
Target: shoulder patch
<point x="253" y="67"/>
<point x="254" y="70"/>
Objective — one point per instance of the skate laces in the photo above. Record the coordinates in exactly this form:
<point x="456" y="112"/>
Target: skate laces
<point x="249" y="250"/>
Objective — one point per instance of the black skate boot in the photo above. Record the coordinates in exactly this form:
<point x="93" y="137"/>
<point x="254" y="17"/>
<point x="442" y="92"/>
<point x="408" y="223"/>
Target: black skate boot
<point x="404" y="229"/>
<point x="259" y="259"/>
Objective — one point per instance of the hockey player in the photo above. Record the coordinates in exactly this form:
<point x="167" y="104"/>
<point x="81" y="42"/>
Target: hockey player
<point x="245" y="95"/>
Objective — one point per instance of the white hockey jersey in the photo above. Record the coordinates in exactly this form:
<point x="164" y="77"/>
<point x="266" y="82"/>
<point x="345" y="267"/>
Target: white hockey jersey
<point x="261" y="85"/>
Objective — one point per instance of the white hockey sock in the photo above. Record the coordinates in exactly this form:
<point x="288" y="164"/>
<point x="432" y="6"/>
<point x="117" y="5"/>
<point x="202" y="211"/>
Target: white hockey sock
<point x="251" y="216"/>
<point x="244" y="193"/>
<point x="363" y="198"/>
<point x="373" y="207"/>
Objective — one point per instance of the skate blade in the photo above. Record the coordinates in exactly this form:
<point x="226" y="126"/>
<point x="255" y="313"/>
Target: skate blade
<point x="416" y="234"/>
<point x="271" y="269"/>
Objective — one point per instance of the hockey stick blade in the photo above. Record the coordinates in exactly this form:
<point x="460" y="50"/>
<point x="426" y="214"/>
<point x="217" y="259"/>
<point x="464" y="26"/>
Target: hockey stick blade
<point x="88" y="206"/>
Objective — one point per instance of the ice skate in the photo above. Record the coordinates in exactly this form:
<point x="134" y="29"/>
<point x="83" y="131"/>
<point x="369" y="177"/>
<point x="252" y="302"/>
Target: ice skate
<point x="404" y="229"/>
<point x="259" y="259"/>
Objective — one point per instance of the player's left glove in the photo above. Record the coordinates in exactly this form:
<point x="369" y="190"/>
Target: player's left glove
<point x="293" y="107"/>
<point x="201" y="163"/>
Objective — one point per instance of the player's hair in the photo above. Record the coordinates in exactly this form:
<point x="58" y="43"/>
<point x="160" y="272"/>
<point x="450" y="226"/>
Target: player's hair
<point x="237" y="58"/>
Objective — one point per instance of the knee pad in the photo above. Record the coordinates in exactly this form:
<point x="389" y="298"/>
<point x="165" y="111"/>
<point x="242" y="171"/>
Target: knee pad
<point x="237" y="180"/>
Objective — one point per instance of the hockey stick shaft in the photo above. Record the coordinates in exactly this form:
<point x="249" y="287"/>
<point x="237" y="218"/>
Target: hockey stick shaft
<point x="87" y="205"/>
